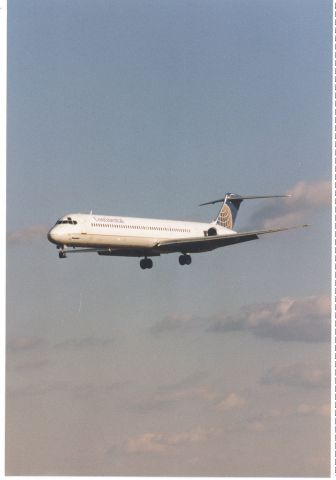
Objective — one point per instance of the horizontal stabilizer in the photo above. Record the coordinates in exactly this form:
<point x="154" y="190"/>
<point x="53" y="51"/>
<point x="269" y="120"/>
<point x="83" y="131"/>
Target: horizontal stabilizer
<point x="232" y="196"/>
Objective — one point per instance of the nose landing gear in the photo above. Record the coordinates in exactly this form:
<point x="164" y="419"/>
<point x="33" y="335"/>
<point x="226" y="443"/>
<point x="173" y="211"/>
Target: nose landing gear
<point x="61" y="253"/>
<point x="146" y="263"/>
<point x="185" y="259"/>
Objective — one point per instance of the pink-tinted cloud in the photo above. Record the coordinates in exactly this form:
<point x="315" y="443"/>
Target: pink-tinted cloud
<point x="150" y="442"/>
<point x="23" y="343"/>
<point x="190" y="388"/>
<point x="297" y="375"/>
<point x="86" y="342"/>
<point x="232" y="401"/>
<point x="304" y="319"/>
<point x="313" y="409"/>
<point x="28" y="234"/>
<point x="269" y="419"/>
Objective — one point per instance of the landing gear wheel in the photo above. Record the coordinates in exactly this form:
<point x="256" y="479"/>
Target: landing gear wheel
<point x="146" y="263"/>
<point x="149" y="263"/>
<point x="182" y="260"/>
<point x="185" y="259"/>
<point x="62" y="254"/>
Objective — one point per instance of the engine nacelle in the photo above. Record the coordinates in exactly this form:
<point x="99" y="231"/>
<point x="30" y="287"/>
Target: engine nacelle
<point x="212" y="232"/>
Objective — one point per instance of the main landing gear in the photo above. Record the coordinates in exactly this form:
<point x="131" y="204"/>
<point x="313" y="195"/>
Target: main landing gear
<point x="185" y="259"/>
<point x="146" y="263"/>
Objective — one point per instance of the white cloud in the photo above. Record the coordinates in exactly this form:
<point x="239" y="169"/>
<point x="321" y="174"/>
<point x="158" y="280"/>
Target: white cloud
<point x="307" y="199"/>
<point x="290" y="319"/>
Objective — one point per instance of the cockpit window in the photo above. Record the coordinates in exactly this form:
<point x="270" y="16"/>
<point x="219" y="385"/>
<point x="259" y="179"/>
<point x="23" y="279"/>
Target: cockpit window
<point x="69" y="220"/>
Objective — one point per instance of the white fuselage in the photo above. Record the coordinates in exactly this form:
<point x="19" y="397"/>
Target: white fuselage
<point x="95" y="231"/>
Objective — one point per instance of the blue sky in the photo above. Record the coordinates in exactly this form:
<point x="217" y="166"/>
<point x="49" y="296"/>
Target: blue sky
<point x="146" y="108"/>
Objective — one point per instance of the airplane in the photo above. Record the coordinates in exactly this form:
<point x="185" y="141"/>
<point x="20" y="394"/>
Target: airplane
<point x="146" y="237"/>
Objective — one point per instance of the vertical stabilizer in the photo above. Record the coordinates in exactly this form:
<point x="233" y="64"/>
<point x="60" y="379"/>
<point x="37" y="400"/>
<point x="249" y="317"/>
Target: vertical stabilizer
<point x="228" y="212"/>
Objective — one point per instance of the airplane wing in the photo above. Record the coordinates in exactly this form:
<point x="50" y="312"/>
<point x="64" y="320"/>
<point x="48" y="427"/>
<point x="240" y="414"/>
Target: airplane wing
<point x="202" y="244"/>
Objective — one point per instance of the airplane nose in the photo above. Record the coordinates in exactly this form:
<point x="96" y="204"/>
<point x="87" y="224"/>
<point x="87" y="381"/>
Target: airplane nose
<point x="52" y="236"/>
<point x="58" y="236"/>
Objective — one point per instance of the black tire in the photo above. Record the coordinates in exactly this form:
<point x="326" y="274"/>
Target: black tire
<point x="143" y="264"/>
<point x="182" y="259"/>
<point x="188" y="259"/>
<point x="149" y="262"/>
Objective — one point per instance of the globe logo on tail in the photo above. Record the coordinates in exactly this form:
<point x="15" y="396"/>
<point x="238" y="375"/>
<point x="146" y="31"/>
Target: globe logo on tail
<point x="225" y="217"/>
